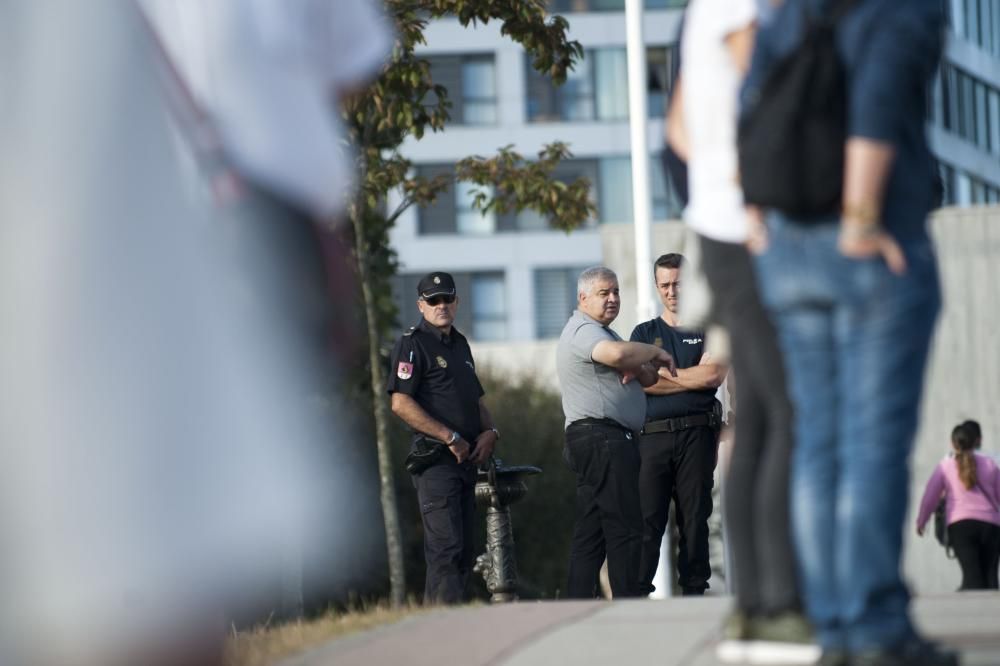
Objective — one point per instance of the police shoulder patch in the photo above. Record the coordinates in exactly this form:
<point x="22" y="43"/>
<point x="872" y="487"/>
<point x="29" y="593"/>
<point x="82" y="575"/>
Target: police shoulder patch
<point x="404" y="370"/>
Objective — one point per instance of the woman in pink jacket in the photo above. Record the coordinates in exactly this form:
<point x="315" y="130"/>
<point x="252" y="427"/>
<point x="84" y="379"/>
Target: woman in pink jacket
<point x="970" y="483"/>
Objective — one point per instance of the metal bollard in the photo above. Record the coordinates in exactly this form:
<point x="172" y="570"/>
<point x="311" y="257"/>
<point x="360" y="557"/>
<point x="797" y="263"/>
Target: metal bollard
<point x="497" y="488"/>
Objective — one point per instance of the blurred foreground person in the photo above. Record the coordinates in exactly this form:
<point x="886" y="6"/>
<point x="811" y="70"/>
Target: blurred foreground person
<point x="435" y="391"/>
<point x="767" y="623"/>
<point x="602" y="377"/>
<point x="970" y="485"/>
<point x="854" y="295"/>
<point x="164" y="390"/>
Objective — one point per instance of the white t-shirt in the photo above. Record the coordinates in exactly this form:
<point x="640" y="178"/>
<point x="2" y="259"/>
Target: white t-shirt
<point x="711" y="85"/>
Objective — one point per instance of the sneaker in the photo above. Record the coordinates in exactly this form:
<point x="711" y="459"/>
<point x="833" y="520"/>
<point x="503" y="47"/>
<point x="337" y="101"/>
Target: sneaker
<point x="782" y="639"/>
<point x="786" y="638"/>
<point x="732" y="648"/>
<point x="917" y="652"/>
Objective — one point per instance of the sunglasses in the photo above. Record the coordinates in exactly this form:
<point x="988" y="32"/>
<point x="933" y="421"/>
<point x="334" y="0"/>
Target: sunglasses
<point x="447" y="299"/>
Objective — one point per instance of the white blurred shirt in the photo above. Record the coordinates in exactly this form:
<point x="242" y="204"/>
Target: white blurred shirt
<point x="270" y="73"/>
<point x="711" y="83"/>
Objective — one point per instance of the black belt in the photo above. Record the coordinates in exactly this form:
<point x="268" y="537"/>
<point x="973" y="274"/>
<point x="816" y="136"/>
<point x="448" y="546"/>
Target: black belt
<point x="601" y="422"/>
<point x="681" y="423"/>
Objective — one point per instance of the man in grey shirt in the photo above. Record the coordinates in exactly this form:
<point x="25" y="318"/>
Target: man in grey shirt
<point x="602" y="378"/>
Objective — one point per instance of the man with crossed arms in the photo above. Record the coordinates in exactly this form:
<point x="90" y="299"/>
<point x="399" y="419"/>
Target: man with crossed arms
<point x="602" y="378"/>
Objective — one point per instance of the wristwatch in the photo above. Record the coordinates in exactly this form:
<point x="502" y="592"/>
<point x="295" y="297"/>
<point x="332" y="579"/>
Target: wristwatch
<point x="454" y="438"/>
<point x="496" y="432"/>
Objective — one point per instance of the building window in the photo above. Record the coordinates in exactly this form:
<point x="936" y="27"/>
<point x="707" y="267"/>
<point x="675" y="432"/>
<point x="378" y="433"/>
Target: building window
<point x="968" y="107"/>
<point x="489" y="307"/>
<point x="452" y="212"/>
<point x="468" y="220"/>
<point x="439" y="216"/>
<point x="977" y="22"/>
<point x="597" y="87"/>
<point x="614" y="198"/>
<point x="964" y="189"/>
<point x="611" y="83"/>
<point x="993" y="113"/>
<point x="555" y="299"/>
<point x="663" y="65"/>
<point x="479" y="91"/>
<point x="471" y="84"/>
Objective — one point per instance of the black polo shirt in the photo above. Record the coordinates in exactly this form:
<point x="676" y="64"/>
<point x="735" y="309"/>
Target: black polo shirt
<point x="686" y="347"/>
<point x="438" y="372"/>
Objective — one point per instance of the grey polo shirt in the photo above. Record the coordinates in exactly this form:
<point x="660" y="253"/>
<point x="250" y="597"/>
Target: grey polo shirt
<point x="591" y="389"/>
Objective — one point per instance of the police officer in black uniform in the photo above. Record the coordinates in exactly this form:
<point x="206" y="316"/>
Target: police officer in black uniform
<point x="434" y="389"/>
<point x="678" y="444"/>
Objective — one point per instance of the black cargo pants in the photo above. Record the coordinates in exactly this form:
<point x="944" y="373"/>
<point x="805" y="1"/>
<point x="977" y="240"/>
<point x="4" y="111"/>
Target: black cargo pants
<point x="446" y="493"/>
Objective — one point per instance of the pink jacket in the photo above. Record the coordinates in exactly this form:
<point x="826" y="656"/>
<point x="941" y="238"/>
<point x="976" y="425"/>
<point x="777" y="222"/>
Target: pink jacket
<point x="960" y="503"/>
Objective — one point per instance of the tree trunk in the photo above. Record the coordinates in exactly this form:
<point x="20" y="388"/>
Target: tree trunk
<point x="390" y="514"/>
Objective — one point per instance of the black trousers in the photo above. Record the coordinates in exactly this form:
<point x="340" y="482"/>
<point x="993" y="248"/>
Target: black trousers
<point x="677" y="466"/>
<point x="756" y="508"/>
<point x="446" y="493"/>
<point x="605" y="459"/>
<point x="977" y="547"/>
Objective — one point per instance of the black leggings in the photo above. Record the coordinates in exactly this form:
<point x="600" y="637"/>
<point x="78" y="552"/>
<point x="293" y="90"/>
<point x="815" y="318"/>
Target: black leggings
<point x="756" y="498"/>
<point x="977" y="547"/>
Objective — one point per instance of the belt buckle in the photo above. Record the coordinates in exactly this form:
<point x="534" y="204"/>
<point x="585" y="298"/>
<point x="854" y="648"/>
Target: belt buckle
<point x="669" y="423"/>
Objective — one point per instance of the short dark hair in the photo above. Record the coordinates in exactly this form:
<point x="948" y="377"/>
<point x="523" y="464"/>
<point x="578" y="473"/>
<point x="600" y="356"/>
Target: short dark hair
<point x="669" y="260"/>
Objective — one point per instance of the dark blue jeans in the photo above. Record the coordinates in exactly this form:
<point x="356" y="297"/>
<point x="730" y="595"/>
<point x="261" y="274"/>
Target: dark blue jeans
<point x="855" y="339"/>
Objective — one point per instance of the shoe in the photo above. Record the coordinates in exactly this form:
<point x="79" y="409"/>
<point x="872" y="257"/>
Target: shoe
<point x="692" y="591"/>
<point x="785" y="638"/>
<point x="916" y="652"/>
<point x="732" y="647"/>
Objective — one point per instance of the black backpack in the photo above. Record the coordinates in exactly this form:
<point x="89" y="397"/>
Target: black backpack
<point x="792" y="132"/>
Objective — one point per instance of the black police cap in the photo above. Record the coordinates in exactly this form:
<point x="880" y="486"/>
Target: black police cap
<point x="436" y="284"/>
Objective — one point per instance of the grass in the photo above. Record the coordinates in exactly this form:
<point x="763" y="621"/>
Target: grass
<point x="266" y="644"/>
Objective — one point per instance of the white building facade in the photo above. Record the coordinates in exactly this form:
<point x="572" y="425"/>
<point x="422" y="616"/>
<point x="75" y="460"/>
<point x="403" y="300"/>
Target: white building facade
<point x="516" y="277"/>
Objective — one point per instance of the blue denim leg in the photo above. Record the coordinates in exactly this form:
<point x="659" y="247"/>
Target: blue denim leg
<point x="883" y="338"/>
<point x="855" y="339"/>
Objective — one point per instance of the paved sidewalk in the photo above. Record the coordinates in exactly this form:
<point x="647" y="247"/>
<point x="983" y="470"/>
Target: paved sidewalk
<point x="675" y="632"/>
